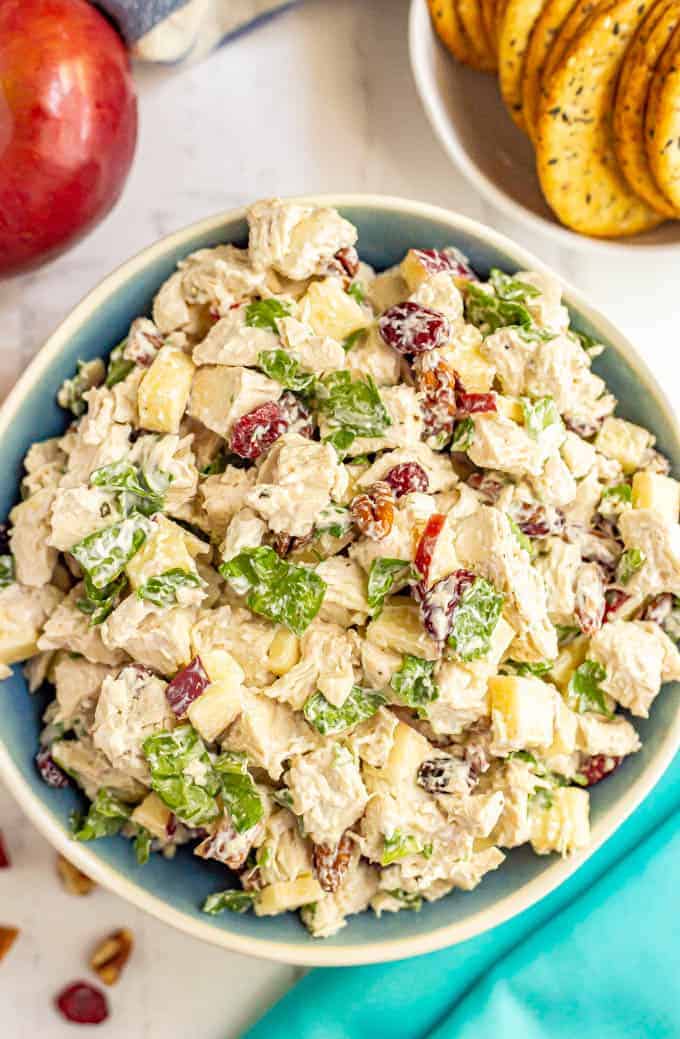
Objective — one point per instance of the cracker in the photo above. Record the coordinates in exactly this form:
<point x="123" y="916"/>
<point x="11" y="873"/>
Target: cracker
<point x="470" y="15"/>
<point x="545" y="32"/>
<point x="630" y="106"/>
<point x="520" y="18"/>
<point x="576" y="162"/>
<point x="662" y="122"/>
<point x="448" y="27"/>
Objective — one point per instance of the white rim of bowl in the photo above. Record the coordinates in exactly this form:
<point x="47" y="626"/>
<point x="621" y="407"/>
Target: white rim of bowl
<point x="318" y="955"/>
<point x="447" y="134"/>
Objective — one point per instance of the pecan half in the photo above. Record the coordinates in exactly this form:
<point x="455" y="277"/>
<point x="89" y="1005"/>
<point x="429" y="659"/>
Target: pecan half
<point x="111" y="955"/>
<point x="8" y="936"/>
<point x="331" y="864"/>
<point x="373" y="512"/>
<point x="72" y="879"/>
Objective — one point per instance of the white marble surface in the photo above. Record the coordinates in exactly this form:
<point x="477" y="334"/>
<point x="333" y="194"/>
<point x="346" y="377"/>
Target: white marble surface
<point x="320" y="99"/>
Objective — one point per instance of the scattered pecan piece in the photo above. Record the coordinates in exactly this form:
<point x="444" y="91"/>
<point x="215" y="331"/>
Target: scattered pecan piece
<point x="373" y="512"/>
<point x="111" y="955"/>
<point x="8" y="936"/>
<point x="331" y="864"/>
<point x="73" y="880"/>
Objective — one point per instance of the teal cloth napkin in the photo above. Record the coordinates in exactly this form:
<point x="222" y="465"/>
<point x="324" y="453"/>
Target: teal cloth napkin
<point x="597" y="959"/>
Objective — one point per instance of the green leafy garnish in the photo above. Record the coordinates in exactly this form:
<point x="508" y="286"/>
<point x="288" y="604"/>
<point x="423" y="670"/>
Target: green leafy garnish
<point x="98" y="603"/>
<point x="335" y="520"/>
<point x="409" y="899"/>
<point x="414" y="682"/>
<point x="632" y="560"/>
<point x="356" y="291"/>
<point x="539" y="414"/>
<point x="279" y="365"/>
<point x="119" y="368"/>
<point x="235" y="900"/>
<point x="490" y="312"/>
<point x="142" y="843"/>
<point x="105" y="817"/>
<point x="264" y="313"/>
<point x="352" y="405"/>
<point x="585" y="692"/>
<point x="386" y="577"/>
<point x="475" y="619"/>
<point x="71" y="394"/>
<point x="523" y="667"/>
<point x="182" y="774"/>
<point x="283" y="797"/>
<point x="622" y="494"/>
<point x="328" y="719"/>
<point x="162" y="589"/>
<point x="588" y="342"/>
<point x="103" y="555"/>
<point x="463" y="435"/>
<point x="520" y="537"/>
<point x="542" y="797"/>
<point x="510" y="289"/>
<point x="352" y="339"/>
<point x="283" y="592"/>
<point x="341" y="440"/>
<point x="398" y="846"/>
<point x="566" y="633"/>
<point x="239" y="793"/>
<point x="139" y="491"/>
<point x="216" y="467"/>
<point x="6" y="571"/>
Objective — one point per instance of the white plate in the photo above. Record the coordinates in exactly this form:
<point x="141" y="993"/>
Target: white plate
<point x="467" y="114"/>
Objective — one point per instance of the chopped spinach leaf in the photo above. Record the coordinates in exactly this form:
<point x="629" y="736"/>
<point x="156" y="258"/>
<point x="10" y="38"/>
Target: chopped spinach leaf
<point x="283" y="592"/>
<point x="328" y="719"/>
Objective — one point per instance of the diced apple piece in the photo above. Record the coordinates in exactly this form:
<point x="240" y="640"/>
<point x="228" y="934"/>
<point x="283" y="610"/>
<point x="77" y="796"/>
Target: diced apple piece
<point x="408" y="750"/>
<point x="221" y="395"/>
<point x="624" y="442"/>
<point x="566" y="729"/>
<point x="400" y="628"/>
<point x="164" y="391"/>
<point x="522" y="712"/>
<point x="153" y="815"/>
<point x="476" y="373"/>
<point x="330" y="310"/>
<point x="564" y="826"/>
<point x="568" y="659"/>
<point x="284" y="652"/>
<point x="169" y="547"/>
<point x="510" y="407"/>
<point x="221" y="666"/>
<point x="503" y="635"/>
<point x="215" y="709"/>
<point x="17" y="643"/>
<point x="660" y="493"/>
<point x="288" y="894"/>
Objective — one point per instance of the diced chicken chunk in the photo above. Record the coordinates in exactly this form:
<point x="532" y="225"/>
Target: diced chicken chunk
<point x="327" y="791"/>
<point x="76" y="681"/>
<point x="130" y="707"/>
<point x="33" y="557"/>
<point x="297" y="240"/>
<point x="158" y="638"/>
<point x="269" y="733"/>
<point x="403" y="406"/>
<point x="93" y="771"/>
<point x="440" y="473"/>
<point x="23" y="612"/>
<point x="499" y="443"/>
<point x="225" y="495"/>
<point x="70" y="629"/>
<point x="638" y="657"/>
<point x="659" y="541"/>
<point x="221" y="395"/>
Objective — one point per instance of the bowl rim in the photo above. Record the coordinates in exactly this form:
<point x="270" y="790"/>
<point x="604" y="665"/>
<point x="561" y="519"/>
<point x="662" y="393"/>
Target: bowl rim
<point x="446" y="132"/>
<point x="316" y="954"/>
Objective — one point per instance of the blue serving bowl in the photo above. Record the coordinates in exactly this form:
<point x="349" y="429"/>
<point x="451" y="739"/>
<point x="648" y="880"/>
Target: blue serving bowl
<point x="174" y="890"/>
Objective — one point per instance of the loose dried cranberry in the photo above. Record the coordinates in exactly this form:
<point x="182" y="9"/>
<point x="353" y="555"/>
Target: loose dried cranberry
<point x="489" y="488"/>
<point x="186" y="686"/>
<point x="474" y="403"/>
<point x="171" y="825"/>
<point x="49" y="770"/>
<point x="297" y="416"/>
<point x="410" y="328"/>
<point x="5" y="861"/>
<point x="82" y="1004"/>
<point x="426" y="545"/>
<point x="407" y="478"/>
<point x="537" y="521"/>
<point x="438" y="603"/>
<point x="452" y="260"/>
<point x="614" y="600"/>
<point x="348" y="258"/>
<point x="658" y="609"/>
<point x="253" y="433"/>
<point x="596" y="768"/>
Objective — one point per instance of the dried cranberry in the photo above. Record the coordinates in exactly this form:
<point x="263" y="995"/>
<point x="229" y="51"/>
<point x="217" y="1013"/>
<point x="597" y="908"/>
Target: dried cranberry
<point x="83" y="1004"/>
<point x="597" y="767"/>
<point x="171" y="825"/>
<point x="143" y="342"/>
<point x="5" y="861"/>
<point x="488" y="487"/>
<point x="49" y="770"/>
<point x="438" y="603"/>
<point x="427" y="542"/>
<point x="407" y="478"/>
<point x="452" y="260"/>
<point x="474" y="403"/>
<point x="658" y="609"/>
<point x="186" y="686"/>
<point x="537" y="521"/>
<point x="614" y="600"/>
<point x="296" y="415"/>
<point x="253" y="433"/>
<point x="410" y="328"/>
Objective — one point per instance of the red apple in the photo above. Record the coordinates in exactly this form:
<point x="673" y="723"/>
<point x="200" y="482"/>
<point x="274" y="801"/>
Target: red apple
<point x="68" y="126"/>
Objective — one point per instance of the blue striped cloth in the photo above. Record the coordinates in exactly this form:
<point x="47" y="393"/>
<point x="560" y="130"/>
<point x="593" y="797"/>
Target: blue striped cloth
<point x="174" y="31"/>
